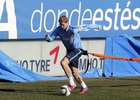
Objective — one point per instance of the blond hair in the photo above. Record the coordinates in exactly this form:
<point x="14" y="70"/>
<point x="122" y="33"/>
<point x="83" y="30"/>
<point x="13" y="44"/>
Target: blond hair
<point x="63" y="19"/>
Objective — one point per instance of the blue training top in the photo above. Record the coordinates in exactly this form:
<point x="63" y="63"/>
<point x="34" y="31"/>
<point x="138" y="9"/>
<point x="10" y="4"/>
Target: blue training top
<point x="70" y="37"/>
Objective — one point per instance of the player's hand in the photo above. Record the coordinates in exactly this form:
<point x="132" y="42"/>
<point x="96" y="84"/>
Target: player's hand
<point x="99" y="27"/>
<point x="47" y="37"/>
<point x="95" y="27"/>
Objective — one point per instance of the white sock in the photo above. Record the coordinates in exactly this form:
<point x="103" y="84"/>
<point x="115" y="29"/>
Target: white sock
<point x="71" y="81"/>
<point x="83" y="84"/>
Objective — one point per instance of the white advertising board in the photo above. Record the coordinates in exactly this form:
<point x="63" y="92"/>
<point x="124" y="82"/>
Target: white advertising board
<point x="44" y="58"/>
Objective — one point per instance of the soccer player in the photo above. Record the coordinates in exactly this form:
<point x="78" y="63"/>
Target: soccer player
<point x="71" y="40"/>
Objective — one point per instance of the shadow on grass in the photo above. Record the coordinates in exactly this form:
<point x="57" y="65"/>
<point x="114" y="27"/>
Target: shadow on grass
<point x="32" y="91"/>
<point x="115" y="86"/>
<point x="124" y="85"/>
<point x="7" y="90"/>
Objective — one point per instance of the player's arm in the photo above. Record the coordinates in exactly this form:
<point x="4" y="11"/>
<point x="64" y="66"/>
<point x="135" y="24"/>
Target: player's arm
<point x="48" y="38"/>
<point x="52" y="36"/>
<point x="86" y="27"/>
<point x="94" y="26"/>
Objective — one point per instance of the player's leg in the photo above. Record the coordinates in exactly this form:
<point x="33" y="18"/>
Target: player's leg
<point x="67" y="70"/>
<point x="72" y="57"/>
<point x="79" y="79"/>
<point x="76" y="75"/>
<point x="65" y="65"/>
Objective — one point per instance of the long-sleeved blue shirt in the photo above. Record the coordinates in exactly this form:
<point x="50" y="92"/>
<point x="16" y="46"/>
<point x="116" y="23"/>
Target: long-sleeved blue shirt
<point x="70" y="37"/>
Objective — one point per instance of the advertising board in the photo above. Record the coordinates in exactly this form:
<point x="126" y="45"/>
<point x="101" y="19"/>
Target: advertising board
<point x="44" y="58"/>
<point x="33" y="19"/>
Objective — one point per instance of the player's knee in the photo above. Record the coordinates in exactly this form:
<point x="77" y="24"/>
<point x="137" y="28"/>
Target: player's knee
<point x="64" y="62"/>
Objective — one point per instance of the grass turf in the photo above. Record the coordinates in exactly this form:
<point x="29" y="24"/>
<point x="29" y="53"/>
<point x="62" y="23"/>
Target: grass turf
<point x="113" y="88"/>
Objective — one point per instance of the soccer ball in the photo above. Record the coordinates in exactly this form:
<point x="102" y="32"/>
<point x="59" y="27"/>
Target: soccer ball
<point x="64" y="90"/>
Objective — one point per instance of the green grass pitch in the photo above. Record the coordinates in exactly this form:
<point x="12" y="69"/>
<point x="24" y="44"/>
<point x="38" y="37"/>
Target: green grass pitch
<point x="113" y="88"/>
